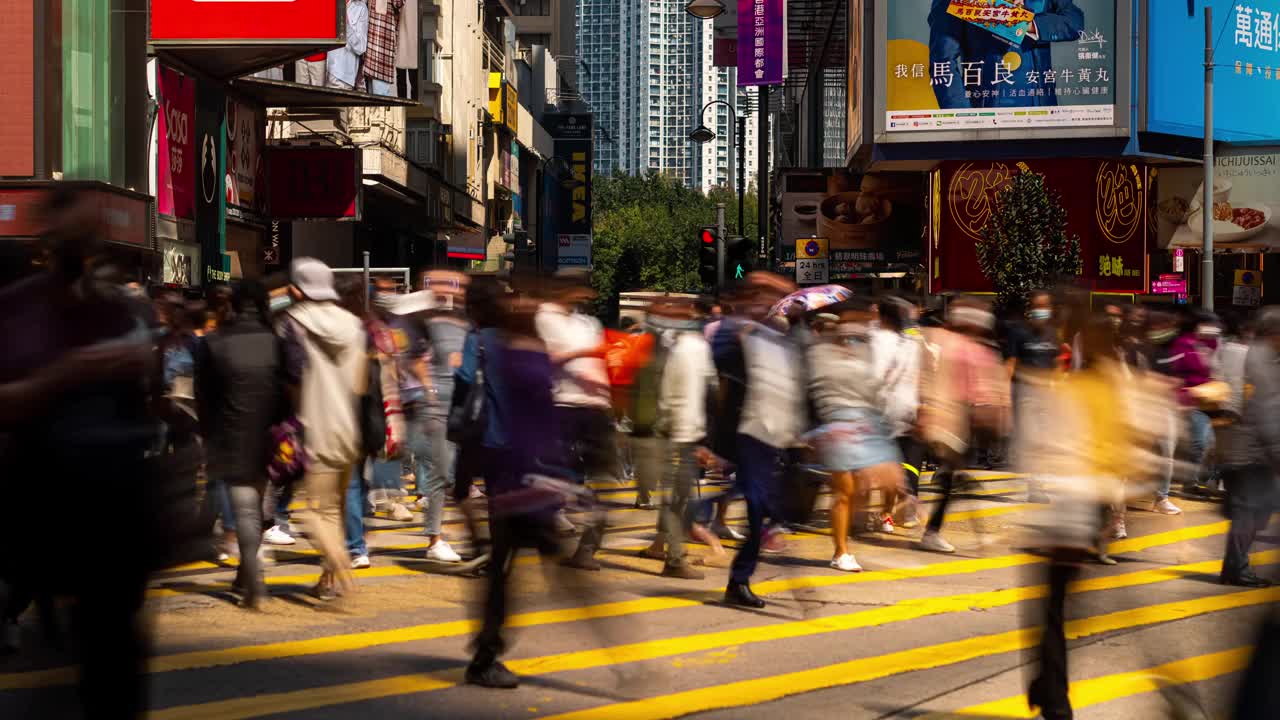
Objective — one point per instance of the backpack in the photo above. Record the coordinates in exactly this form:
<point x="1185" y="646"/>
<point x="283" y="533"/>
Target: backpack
<point x="646" y="389"/>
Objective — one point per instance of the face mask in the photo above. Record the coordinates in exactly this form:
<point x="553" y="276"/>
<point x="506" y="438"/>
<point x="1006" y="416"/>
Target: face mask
<point x="1040" y="314"/>
<point x="280" y="303"/>
<point x="1115" y="320"/>
<point x="385" y="300"/>
<point x="1161" y="336"/>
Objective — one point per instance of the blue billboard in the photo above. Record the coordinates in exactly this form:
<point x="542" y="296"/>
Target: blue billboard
<point x="1247" y="69"/>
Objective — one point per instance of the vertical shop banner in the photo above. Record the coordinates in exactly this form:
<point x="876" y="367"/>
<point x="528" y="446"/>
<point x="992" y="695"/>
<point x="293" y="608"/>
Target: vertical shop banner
<point x="997" y="64"/>
<point x="1106" y="203"/>
<point x="246" y="125"/>
<point x="1246" y="197"/>
<point x="211" y="199"/>
<point x="1246" y="91"/>
<point x="762" y="42"/>
<point x="854" y="78"/>
<point x="573" y="135"/>
<point x="176" y="160"/>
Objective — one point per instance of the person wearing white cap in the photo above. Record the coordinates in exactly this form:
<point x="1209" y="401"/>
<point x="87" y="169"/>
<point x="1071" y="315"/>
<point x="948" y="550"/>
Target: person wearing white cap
<point x="326" y="371"/>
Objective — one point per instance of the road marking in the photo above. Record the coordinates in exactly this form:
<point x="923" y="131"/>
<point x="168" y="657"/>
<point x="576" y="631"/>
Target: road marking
<point x="1095" y="691"/>
<point x="357" y="641"/>
<point x="767" y="689"/>
<point x="902" y="611"/>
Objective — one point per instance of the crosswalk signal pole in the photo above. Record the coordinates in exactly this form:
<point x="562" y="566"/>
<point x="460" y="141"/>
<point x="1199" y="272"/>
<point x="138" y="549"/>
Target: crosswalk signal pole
<point x="1206" y="204"/>
<point x="720" y="246"/>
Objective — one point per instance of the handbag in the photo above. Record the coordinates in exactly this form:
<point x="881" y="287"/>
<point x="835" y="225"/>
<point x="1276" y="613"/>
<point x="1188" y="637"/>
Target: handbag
<point x="469" y="414"/>
<point x="289" y="459"/>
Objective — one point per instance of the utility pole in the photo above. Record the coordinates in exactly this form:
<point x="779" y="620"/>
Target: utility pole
<point x="1206" y="203"/>
<point x="720" y="246"/>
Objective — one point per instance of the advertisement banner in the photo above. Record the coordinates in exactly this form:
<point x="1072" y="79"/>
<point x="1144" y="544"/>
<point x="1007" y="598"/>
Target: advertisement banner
<point x="762" y="42"/>
<point x="1246" y="91"/>
<point x="1246" y="198"/>
<point x="868" y="223"/>
<point x="1106" y="203"/>
<point x="310" y="183"/>
<point x="211" y="198"/>
<point x="228" y="21"/>
<point x="997" y="64"/>
<point x="181" y="262"/>
<point x="176" y="160"/>
<point x="854" y="78"/>
<point x="572" y="134"/>
<point x="246" y="128"/>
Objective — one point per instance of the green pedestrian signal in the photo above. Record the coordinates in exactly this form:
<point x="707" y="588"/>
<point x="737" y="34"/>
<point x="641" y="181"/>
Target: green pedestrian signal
<point x="739" y="273"/>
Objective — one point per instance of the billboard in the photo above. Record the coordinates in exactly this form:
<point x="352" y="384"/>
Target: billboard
<point x="228" y="22"/>
<point x="762" y="42"/>
<point x="1108" y="205"/>
<point x="176" y="159"/>
<point x="1000" y="64"/>
<point x="1246" y="98"/>
<point x="1246" y="197"/>
<point x="246" y="127"/>
<point x="313" y="182"/>
<point x="573" y="135"/>
<point x="854" y="78"/>
<point x="868" y="223"/>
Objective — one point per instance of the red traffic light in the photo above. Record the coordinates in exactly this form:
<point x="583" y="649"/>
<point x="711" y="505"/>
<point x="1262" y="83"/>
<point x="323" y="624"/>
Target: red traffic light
<point x="708" y="237"/>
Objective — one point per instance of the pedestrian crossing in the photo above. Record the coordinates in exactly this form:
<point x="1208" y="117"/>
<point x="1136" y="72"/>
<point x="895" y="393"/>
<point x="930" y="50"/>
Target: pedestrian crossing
<point x="925" y="634"/>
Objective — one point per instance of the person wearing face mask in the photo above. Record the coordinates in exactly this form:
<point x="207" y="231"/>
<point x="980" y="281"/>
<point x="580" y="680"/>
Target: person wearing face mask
<point x="1158" y="355"/>
<point x="853" y="439"/>
<point x="1192" y="358"/>
<point x="1031" y="351"/>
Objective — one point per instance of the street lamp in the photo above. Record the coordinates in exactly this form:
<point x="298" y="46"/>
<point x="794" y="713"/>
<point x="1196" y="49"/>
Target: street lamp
<point x="703" y="134"/>
<point x="705" y="9"/>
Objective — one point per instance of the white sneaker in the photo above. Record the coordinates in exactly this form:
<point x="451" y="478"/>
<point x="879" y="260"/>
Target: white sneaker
<point x="724" y="532"/>
<point x="360" y="562"/>
<point x="1164" y="507"/>
<point x="934" y="542"/>
<point x="846" y="563"/>
<point x="442" y="552"/>
<point x="224" y="557"/>
<point x="886" y="524"/>
<point x="1119" y="532"/>
<point x="400" y="513"/>
<point x="275" y="536"/>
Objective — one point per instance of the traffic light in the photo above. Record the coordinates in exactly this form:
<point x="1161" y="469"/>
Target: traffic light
<point x="708" y="257"/>
<point x="739" y="257"/>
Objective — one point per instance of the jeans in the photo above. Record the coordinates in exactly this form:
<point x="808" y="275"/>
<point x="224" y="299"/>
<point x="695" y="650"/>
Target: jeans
<point x="1250" y="499"/>
<point x="1201" y="437"/>
<point x="275" y="504"/>
<point x="246" y="499"/>
<point x="427" y="438"/>
<point x="587" y="441"/>
<point x="678" y="483"/>
<point x="354" y="510"/>
<point x="1167" y="448"/>
<point x="217" y="501"/>
<point x="381" y="87"/>
<point x="757" y="474"/>
<point x="648" y="453"/>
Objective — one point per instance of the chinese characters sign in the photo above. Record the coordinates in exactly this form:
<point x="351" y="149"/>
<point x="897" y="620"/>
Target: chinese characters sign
<point x="176" y="143"/>
<point x="1247" y="81"/>
<point x="762" y="42"/>
<point x="1109" y="213"/>
<point x="997" y="64"/>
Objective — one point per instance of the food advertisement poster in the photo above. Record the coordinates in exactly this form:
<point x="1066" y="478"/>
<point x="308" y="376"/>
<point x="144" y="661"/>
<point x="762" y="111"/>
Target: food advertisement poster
<point x="1107" y="204"/>
<point x="872" y="223"/>
<point x="997" y="64"/>
<point x="1246" y="194"/>
<point x="1246" y="97"/>
<point x="246" y="125"/>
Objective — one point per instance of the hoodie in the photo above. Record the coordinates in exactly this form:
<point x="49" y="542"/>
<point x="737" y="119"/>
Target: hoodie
<point x="333" y="381"/>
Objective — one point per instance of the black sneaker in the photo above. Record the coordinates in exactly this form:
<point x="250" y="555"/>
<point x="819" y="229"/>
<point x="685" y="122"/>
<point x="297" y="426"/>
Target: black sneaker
<point x="493" y="675"/>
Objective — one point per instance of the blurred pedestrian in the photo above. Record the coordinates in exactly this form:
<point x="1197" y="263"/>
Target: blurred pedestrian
<point x="897" y="355"/>
<point x="1251" y="452"/>
<point x="326" y="373"/>
<point x="240" y="395"/>
<point x="576" y="345"/>
<point x="1160" y="356"/>
<point x="1032" y="354"/>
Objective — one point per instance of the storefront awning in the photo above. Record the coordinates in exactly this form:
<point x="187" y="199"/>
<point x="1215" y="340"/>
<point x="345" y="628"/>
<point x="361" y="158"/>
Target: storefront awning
<point x="296" y="96"/>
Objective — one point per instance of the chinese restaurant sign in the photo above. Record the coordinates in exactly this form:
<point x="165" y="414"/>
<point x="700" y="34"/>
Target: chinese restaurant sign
<point x="1109" y="213"/>
<point x="232" y="21"/>
<point x="999" y="64"/>
<point x="1246" y="98"/>
<point x="762" y="42"/>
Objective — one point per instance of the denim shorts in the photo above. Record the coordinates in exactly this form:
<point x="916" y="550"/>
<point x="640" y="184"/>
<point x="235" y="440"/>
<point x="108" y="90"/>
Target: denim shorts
<point x="854" y="439"/>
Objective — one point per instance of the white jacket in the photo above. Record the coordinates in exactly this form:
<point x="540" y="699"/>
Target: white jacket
<point x="333" y="382"/>
<point x="896" y="360"/>
<point x="682" y="393"/>
<point x="344" y="63"/>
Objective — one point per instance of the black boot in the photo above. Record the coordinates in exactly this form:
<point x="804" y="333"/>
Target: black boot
<point x="492" y="674"/>
<point x="740" y="594"/>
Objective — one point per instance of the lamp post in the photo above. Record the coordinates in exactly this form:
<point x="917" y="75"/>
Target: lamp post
<point x="705" y="9"/>
<point x="703" y="134"/>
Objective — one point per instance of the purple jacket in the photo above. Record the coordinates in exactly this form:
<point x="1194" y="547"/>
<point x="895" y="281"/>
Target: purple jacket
<point x="1188" y="363"/>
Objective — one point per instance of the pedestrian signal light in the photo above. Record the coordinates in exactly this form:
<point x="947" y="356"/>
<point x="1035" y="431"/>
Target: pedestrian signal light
<point x="708" y="258"/>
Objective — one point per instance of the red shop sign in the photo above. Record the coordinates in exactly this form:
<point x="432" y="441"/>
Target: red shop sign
<point x="121" y="218"/>
<point x="229" y="22"/>
<point x="313" y="182"/>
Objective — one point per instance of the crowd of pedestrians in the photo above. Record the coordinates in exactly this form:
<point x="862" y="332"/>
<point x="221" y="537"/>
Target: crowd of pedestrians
<point x="509" y="398"/>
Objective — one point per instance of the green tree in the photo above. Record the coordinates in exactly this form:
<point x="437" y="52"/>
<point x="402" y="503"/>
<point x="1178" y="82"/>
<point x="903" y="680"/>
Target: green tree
<point x="1025" y="244"/>
<point x="646" y="234"/>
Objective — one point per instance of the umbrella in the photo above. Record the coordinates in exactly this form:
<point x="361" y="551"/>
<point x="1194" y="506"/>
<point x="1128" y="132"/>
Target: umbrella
<point x="813" y="298"/>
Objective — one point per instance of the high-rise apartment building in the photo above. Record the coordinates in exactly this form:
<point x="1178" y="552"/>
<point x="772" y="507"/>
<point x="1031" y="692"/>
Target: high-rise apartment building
<point x="646" y="70"/>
